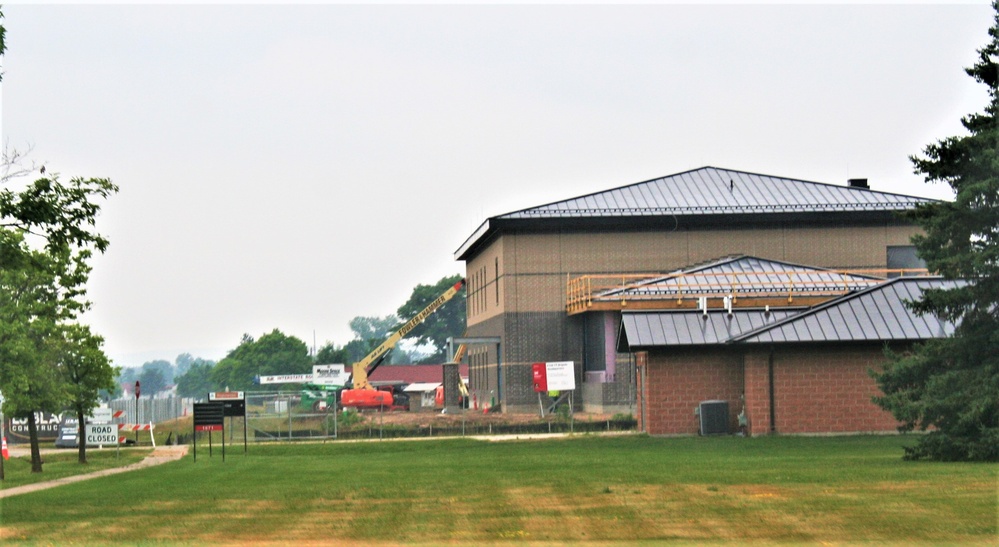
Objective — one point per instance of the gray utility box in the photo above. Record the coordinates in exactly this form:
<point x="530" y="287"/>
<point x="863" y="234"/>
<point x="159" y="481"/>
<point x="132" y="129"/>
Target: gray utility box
<point x="714" y="417"/>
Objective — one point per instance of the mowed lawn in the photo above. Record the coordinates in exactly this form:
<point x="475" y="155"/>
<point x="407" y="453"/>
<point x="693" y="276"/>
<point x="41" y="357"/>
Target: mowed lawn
<point x="585" y="488"/>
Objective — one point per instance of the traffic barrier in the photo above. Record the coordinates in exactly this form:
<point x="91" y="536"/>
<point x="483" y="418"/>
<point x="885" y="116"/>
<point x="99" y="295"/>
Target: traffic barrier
<point x="138" y="427"/>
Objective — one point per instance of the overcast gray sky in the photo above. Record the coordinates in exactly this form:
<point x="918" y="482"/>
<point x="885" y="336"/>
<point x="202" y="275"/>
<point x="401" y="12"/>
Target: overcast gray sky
<point x="293" y="167"/>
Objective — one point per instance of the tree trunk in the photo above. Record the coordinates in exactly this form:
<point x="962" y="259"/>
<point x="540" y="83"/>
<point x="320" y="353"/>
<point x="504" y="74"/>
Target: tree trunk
<point x="36" y="454"/>
<point x="81" y="436"/>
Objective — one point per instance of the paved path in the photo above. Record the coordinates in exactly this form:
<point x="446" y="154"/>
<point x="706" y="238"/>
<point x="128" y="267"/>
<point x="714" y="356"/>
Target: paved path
<point x="160" y="455"/>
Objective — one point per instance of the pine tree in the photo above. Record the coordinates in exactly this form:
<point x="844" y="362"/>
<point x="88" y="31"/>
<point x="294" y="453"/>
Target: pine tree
<point x="951" y="386"/>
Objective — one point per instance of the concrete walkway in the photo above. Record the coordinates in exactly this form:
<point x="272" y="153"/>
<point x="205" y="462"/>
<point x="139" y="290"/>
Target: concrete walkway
<point x="160" y="455"/>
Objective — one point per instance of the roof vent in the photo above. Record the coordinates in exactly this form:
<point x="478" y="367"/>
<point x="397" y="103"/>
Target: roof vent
<point x="858" y="183"/>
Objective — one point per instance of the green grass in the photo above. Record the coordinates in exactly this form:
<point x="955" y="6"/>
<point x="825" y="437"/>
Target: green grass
<point x="65" y="463"/>
<point x="587" y="488"/>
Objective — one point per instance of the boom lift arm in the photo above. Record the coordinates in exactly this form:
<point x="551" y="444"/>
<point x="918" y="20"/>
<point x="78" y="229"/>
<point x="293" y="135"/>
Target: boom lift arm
<point x="360" y="369"/>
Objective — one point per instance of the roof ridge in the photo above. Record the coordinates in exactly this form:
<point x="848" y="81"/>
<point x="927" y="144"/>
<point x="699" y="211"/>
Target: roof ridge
<point x="719" y="172"/>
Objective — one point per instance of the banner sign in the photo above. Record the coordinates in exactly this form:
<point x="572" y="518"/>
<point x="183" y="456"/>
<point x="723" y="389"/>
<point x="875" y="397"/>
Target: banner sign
<point x="329" y="375"/>
<point x="209" y="416"/>
<point x="554" y="376"/>
<point x="101" y="434"/>
<point x="47" y="425"/>
<point x="285" y="379"/>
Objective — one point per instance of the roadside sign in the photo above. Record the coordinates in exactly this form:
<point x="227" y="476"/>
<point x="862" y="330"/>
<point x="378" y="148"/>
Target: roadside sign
<point x="561" y="375"/>
<point x="233" y="402"/>
<point x="554" y="376"/>
<point x="101" y="434"/>
<point x="225" y="395"/>
<point x="329" y="375"/>
<point x="284" y="379"/>
<point x="209" y="416"/>
<point x="101" y="415"/>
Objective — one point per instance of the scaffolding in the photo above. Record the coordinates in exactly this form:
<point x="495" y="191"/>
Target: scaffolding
<point x="659" y="291"/>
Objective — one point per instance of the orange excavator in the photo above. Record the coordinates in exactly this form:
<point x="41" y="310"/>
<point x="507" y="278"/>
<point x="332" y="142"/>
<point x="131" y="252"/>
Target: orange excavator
<point x="362" y="394"/>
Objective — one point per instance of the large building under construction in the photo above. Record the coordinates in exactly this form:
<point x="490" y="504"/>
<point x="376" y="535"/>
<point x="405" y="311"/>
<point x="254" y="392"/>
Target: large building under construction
<point x="554" y="282"/>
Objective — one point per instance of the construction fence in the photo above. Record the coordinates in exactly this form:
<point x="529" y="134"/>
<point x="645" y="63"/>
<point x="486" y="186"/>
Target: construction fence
<point x="313" y="415"/>
<point x="146" y="410"/>
<point x="301" y="415"/>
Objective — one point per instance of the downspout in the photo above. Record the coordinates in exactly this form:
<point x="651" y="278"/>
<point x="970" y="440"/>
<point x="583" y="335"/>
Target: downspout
<point x="770" y="377"/>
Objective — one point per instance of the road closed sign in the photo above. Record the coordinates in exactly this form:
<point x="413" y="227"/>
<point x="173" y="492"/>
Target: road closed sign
<point x="101" y="434"/>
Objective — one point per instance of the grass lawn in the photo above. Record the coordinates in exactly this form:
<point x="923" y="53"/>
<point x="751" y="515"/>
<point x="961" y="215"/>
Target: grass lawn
<point x="64" y="463"/>
<point x="586" y="488"/>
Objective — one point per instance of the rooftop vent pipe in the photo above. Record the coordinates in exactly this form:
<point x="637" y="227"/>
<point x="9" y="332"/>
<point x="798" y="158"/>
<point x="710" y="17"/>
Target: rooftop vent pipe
<point x="858" y="183"/>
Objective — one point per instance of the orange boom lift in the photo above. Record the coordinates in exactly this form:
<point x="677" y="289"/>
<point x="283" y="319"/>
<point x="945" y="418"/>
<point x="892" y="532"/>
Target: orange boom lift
<point x="363" y="394"/>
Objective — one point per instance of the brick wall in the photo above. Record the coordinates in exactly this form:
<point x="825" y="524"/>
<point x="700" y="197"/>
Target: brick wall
<point x="827" y="389"/>
<point x="816" y="389"/>
<point x="522" y="277"/>
<point x="678" y="380"/>
<point x="757" y="374"/>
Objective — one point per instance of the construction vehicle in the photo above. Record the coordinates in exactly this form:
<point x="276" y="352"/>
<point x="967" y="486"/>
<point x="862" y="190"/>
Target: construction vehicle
<point x="364" y="395"/>
<point x="319" y="397"/>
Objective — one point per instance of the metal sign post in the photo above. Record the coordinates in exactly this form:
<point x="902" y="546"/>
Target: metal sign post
<point x="209" y="417"/>
<point x="234" y="404"/>
<point x="137" y="411"/>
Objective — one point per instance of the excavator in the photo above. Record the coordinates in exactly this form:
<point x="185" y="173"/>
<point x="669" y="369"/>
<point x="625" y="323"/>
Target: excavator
<point x="364" y="395"/>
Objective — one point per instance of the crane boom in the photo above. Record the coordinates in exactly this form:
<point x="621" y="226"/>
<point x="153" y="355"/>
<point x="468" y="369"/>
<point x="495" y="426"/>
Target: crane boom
<point x="360" y="368"/>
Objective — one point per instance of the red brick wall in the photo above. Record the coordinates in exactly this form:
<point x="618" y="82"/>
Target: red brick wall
<point x="757" y="376"/>
<point x="826" y="389"/>
<point x="678" y="380"/>
<point x="817" y="389"/>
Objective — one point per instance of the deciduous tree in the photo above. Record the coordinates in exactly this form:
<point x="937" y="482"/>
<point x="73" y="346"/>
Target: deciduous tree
<point x="447" y="321"/>
<point x="87" y="370"/>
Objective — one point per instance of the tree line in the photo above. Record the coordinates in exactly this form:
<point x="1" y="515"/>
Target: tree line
<point x="276" y="353"/>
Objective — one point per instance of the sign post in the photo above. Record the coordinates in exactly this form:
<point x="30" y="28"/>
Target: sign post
<point x="234" y="404"/>
<point x="209" y="417"/>
<point x="101" y="434"/>
<point x="555" y="376"/>
<point x="137" y="411"/>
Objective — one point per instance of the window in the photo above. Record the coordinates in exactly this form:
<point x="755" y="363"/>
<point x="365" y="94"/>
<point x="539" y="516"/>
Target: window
<point x="904" y="257"/>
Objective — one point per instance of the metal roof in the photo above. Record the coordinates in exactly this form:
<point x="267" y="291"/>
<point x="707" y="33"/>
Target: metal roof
<point x="685" y="328"/>
<point x="714" y="191"/>
<point x="875" y="314"/>
<point x="709" y="194"/>
<point x="746" y="275"/>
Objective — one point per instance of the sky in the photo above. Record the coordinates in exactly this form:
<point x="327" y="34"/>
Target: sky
<point x="292" y="167"/>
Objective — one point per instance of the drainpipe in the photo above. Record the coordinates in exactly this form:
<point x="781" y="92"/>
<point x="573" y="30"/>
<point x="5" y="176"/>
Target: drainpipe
<point x="770" y="375"/>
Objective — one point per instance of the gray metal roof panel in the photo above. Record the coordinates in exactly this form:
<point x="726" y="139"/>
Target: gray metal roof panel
<point x="710" y="190"/>
<point x="672" y="328"/>
<point x="875" y="314"/>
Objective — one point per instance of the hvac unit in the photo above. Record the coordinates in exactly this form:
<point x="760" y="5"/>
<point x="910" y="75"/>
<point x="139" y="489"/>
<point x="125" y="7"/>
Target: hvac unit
<point x="714" y="417"/>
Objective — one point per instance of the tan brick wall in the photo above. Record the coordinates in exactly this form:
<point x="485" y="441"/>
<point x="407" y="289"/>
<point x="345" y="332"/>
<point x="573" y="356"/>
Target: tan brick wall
<point x="486" y="272"/>
<point x="534" y="266"/>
